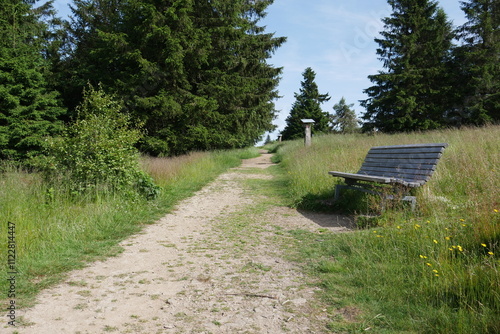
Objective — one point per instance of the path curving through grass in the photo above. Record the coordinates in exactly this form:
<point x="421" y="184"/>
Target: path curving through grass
<point x="216" y="264"/>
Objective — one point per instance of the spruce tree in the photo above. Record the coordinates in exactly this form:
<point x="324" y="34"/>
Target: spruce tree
<point x="29" y="111"/>
<point x="479" y="56"/>
<point x="344" y="119"/>
<point x="236" y="76"/>
<point x="194" y="72"/>
<point x="413" y="91"/>
<point x="307" y="105"/>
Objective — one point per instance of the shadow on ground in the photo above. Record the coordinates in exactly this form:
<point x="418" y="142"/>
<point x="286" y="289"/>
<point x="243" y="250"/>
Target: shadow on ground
<point x="329" y="220"/>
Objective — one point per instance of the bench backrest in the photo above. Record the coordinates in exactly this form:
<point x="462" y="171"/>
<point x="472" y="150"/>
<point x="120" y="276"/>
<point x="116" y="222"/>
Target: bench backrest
<point x="411" y="163"/>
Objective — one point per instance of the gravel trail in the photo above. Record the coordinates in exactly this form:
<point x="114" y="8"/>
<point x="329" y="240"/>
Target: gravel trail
<point x="213" y="265"/>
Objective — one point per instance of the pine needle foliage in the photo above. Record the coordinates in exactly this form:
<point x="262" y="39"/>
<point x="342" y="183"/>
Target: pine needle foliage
<point x="29" y="109"/>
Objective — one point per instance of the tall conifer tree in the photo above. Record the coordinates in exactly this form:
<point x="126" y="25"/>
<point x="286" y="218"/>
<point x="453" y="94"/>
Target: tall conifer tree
<point x="344" y="120"/>
<point x="307" y="105"/>
<point x="412" y="92"/>
<point x="479" y="56"/>
<point x="28" y="109"/>
<point x="194" y="72"/>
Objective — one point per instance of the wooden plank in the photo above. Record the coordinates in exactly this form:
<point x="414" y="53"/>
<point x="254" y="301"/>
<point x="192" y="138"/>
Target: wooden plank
<point x="400" y="165"/>
<point x="377" y="179"/>
<point x="416" y="171"/>
<point x="370" y="178"/>
<point x="403" y="161"/>
<point x="400" y="174"/>
<point x="395" y="150"/>
<point x="404" y="155"/>
<point x="403" y="176"/>
<point x="413" y="146"/>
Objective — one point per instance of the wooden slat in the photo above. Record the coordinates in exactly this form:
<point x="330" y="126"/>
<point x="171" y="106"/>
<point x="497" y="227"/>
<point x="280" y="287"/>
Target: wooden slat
<point x="403" y="161"/>
<point x="396" y="150"/>
<point x="404" y="176"/>
<point x="399" y="165"/>
<point x="412" y="146"/>
<point x="377" y="179"/>
<point x="403" y="156"/>
<point x="370" y="178"/>
<point x="416" y="174"/>
<point x="417" y="171"/>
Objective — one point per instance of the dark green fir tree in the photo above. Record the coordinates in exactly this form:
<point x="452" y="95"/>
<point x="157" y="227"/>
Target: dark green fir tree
<point x="412" y="93"/>
<point x="478" y="57"/>
<point x="307" y="105"/>
<point x="29" y="111"/>
<point x="193" y="72"/>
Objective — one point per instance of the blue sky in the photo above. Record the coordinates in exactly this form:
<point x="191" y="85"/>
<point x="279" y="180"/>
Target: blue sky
<point x="333" y="37"/>
<point x="336" y="39"/>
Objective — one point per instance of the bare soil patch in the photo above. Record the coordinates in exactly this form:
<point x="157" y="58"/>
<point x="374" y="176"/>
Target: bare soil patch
<point x="214" y="265"/>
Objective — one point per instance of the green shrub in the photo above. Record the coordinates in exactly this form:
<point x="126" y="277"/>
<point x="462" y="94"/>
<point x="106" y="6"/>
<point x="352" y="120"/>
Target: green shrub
<point x="97" y="151"/>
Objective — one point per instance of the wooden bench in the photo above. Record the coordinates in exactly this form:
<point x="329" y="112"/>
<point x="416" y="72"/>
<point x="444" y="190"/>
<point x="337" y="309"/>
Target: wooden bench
<point x="400" y="167"/>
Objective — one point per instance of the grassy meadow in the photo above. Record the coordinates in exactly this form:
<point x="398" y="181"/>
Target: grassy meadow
<point x="435" y="270"/>
<point x="56" y="232"/>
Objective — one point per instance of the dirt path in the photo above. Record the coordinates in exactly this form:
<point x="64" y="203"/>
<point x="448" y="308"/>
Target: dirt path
<point x="214" y="265"/>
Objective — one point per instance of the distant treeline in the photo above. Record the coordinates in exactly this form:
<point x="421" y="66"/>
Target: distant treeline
<point x="434" y="75"/>
<point x="193" y="75"/>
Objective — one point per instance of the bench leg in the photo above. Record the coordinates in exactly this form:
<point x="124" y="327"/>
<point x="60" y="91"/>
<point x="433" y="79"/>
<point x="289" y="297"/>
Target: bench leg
<point x="412" y="200"/>
<point x="337" y="192"/>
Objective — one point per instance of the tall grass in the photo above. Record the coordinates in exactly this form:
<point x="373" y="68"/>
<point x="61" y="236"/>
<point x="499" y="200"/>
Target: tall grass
<point x="435" y="270"/>
<point x="465" y="182"/>
<point x="56" y="232"/>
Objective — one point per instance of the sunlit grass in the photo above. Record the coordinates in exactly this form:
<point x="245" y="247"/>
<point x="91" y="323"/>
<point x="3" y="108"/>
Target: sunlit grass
<point x="57" y="232"/>
<point x="430" y="271"/>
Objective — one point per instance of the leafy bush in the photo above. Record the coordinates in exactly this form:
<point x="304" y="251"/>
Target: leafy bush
<point x="97" y="151"/>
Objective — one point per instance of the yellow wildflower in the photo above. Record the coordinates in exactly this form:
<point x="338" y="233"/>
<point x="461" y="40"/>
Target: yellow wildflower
<point x="417" y="226"/>
<point x="447" y="238"/>
<point x="484" y="245"/>
<point x="491" y="253"/>
<point x="460" y="248"/>
<point x="495" y="210"/>
<point x="423" y="256"/>
<point x="429" y="264"/>
<point x="435" y="241"/>
<point x="435" y="271"/>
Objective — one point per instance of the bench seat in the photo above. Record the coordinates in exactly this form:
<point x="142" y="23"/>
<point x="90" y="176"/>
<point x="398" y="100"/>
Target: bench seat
<point x="401" y="166"/>
<point x="377" y="179"/>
